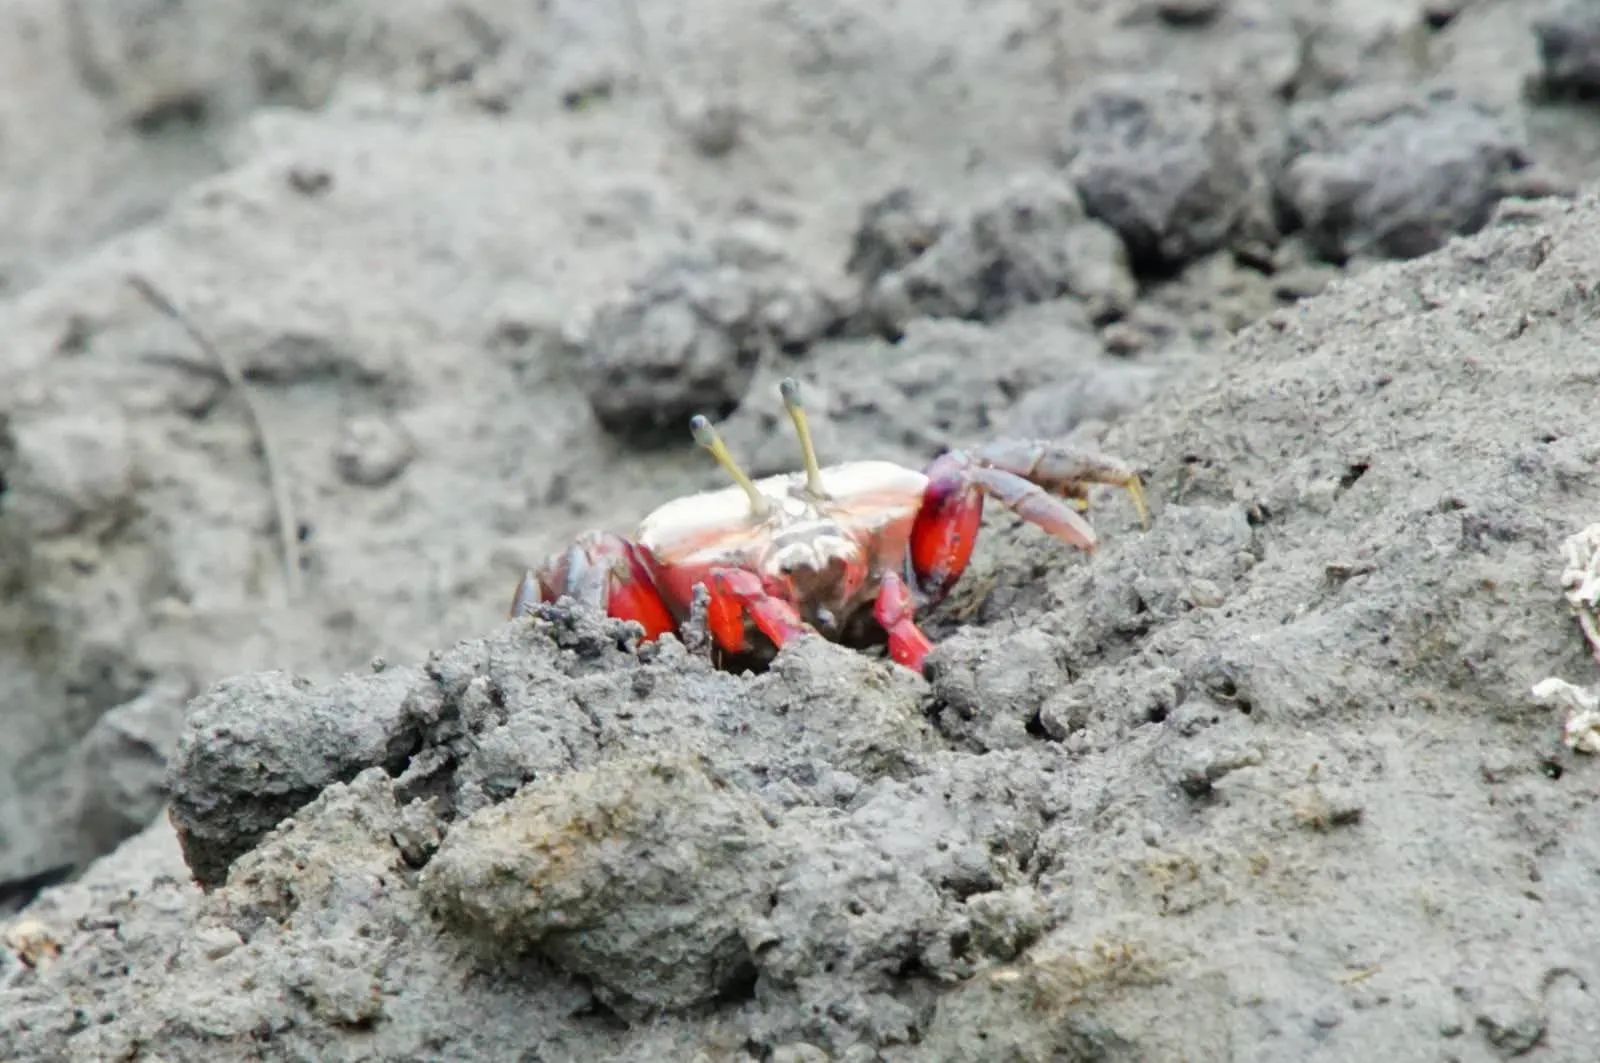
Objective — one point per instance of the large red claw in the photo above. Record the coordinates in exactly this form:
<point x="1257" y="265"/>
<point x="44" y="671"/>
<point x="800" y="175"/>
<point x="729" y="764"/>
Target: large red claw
<point x="946" y="528"/>
<point x="952" y="508"/>
<point x="634" y="597"/>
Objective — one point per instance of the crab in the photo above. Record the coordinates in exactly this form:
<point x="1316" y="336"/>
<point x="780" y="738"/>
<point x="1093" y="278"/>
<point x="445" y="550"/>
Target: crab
<point x="852" y="552"/>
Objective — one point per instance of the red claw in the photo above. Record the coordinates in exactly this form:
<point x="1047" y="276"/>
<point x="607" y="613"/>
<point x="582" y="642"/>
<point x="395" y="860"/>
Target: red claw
<point x="947" y="525"/>
<point x="952" y="504"/>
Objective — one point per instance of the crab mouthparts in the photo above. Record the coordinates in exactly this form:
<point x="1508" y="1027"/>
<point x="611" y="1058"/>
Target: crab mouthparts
<point x="814" y="573"/>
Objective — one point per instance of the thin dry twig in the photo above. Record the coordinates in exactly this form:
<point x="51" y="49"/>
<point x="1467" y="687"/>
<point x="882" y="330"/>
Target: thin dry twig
<point x="1360" y="976"/>
<point x="288" y="525"/>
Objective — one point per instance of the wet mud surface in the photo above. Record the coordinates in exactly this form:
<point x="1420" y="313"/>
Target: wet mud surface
<point x="1264" y="781"/>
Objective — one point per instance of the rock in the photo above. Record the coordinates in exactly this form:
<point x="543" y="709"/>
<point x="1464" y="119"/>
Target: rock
<point x="1168" y="164"/>
<point x="686" y="340"/>
<point x="1568" y="33"/>
<point x="1029" y="243"/>
<point x="1394" y="174"/>
<point x="639" y="876"/>
<point x="256" y="748"/>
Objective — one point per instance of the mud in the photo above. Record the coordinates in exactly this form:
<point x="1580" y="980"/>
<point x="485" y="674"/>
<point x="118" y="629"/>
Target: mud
<point x="1264" y="781"/>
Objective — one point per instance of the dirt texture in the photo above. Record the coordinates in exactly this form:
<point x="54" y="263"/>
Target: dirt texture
<point x="324" y="321"/>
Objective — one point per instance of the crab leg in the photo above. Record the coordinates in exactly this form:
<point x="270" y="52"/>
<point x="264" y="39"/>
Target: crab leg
<point x="602" y="570"/>
<point x="1035" y="505"/>
<point x="1062" y="470"/>
<point x="893" y="609"/>
<point x="737" y="594"/>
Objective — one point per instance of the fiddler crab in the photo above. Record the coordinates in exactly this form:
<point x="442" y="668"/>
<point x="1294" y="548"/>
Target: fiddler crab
<point x="850" y="552"/>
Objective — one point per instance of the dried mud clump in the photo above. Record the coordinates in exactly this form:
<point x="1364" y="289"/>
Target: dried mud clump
<point x="639" y="875"/>
<point x="1568" y="33"/>
<point x="1171" y="166"/>
<point x="1391" y="174"/>
<point x="894" y="230"/>
<point x="256" y="748"/>
<point x="687" y="337"/>
<point x="1029" y="243"/>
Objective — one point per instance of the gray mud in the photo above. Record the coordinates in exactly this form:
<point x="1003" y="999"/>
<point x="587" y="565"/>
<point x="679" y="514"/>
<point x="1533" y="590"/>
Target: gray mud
<point x="1265" y="781"/>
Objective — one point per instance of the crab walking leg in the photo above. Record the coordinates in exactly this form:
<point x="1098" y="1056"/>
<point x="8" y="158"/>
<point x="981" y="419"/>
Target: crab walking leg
<point x="737" y="594"/>
<point x="1062" y="470"/>
<point x="893" y="609"/>
<point x="946" y="528"/>
<point x="1035" y="505"/>
<point x="604" y="571"/>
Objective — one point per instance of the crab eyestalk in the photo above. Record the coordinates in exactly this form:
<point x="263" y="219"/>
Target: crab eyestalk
<point x="790" y="390"/>
<point x="707" y="437"/>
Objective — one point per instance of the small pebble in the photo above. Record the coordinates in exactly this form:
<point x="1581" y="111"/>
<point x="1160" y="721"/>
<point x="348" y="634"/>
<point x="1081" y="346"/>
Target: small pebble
<point x="216" y="942"/>
<point x="1125" y="340"/>
<point x="713" y="127"/>
<point x="371" y="452"/>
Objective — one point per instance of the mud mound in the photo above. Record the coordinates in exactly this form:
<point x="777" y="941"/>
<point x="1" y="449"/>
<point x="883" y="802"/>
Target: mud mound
<point x="464" y="253"/>
<point x="1263" y="782"/>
